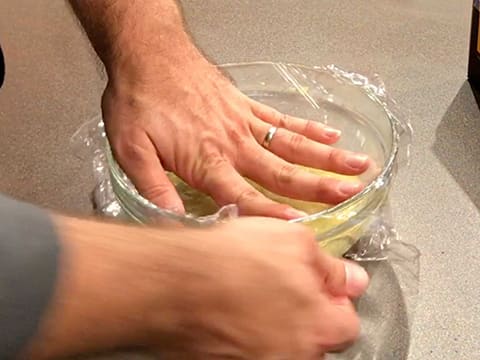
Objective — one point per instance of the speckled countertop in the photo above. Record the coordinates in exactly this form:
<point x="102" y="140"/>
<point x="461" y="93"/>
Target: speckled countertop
<point x="419" y="47"/>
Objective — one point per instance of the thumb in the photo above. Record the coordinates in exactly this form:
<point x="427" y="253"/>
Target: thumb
<point x="138" y="158"/>
<point x="342" y="277"/>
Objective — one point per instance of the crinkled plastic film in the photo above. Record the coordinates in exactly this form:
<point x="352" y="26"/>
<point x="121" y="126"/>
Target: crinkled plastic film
<point x="369" y="234"/>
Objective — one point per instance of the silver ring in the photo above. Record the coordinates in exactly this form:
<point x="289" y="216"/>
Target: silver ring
<point x="269" y="137"/>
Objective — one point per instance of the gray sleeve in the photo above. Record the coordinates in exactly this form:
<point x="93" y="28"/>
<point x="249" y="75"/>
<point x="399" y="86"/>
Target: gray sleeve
<point x="29" y="252"/>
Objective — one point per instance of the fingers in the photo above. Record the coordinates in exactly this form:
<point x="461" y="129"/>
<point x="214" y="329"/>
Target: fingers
<point x="310" y="129"/>
<point x="299" y="149"/>
<point x="225" y="185"/>
<point x="342" y="278"/>
<point x="138" y="159"/>
<point x="284" y="178"/>
<point x="339" y="322"/>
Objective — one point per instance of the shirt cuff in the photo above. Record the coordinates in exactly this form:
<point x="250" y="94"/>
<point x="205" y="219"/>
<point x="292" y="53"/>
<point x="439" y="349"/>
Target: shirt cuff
<point x="29" y="253"/>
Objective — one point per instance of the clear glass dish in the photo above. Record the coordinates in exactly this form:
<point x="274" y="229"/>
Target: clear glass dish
<point x="342" y="100"/>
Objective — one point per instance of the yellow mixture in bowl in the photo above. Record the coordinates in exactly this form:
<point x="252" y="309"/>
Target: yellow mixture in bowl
<point x="200" y="204"/>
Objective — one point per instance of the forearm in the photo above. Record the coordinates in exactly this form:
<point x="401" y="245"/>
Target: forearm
<point x="136" y="38"/>
<point x="108" y="275"/>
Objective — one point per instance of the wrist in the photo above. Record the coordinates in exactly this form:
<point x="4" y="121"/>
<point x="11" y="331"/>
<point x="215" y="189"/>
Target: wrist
<point x="155" y="65"/>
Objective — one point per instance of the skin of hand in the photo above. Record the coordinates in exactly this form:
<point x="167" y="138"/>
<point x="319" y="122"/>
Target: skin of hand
<point x="167" y="108"/>
<point x="248" y="289"/>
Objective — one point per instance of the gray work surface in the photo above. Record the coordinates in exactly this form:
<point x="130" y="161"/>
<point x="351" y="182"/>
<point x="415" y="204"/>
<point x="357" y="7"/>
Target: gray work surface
<point x="419" y="47"/>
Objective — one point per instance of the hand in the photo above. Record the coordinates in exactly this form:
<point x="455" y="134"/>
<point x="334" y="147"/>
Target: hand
<point x="256" y="289"/>
<point x="195" y="123"/>
<point x="249" y="289"/>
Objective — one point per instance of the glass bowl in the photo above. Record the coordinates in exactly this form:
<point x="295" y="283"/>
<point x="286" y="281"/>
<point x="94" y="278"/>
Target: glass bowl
<point x="346" y="101"/>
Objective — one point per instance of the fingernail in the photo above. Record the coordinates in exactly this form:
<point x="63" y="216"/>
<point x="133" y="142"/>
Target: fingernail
<point x="356" y="161"/>
<point x="331" y="132"/>
<point x="349" y="188"/>
<point x="294" y="214"/>
<point x="176" y="210"/>
<point x="356" y="279"/>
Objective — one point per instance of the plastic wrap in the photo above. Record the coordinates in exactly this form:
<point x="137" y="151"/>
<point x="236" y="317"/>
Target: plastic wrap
<point x="364" y="221"/>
